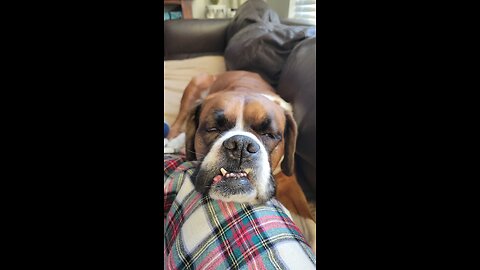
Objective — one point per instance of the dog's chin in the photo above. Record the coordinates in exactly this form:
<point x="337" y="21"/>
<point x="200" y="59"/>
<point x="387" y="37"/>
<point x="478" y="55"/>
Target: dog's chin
<point x="240" y="186"/>
<point x="247" y="197"/>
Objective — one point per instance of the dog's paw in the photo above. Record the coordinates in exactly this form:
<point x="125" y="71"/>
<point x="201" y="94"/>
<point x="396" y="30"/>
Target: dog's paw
<point x="175" y="145"/>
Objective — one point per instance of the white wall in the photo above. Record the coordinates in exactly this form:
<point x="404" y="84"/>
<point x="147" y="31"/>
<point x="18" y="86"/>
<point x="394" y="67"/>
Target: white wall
<point x="280" y="6"/>
<point x="199" y="6"/>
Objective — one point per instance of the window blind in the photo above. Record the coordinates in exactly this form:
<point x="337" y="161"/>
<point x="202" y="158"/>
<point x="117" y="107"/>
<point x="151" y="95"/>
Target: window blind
<point x="305" y="10"/>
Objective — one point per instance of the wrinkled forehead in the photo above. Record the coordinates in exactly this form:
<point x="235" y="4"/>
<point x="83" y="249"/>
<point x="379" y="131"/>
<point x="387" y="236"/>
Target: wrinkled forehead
<point x="242" y="110"/>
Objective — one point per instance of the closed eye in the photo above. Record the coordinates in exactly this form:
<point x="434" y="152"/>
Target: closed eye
<point x="213" y="129"/>
<point x="271" y="136"/>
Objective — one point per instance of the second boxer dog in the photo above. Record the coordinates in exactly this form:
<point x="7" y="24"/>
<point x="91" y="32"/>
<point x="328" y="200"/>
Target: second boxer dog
<point x="244" y="135"/>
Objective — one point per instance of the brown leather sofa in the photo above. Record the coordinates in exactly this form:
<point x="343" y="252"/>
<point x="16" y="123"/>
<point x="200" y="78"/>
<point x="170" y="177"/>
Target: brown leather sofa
<point x="192" y="38"/>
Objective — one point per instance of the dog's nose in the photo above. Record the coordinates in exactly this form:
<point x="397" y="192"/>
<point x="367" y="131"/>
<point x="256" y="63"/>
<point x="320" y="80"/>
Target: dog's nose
<point x="241" y="146"/>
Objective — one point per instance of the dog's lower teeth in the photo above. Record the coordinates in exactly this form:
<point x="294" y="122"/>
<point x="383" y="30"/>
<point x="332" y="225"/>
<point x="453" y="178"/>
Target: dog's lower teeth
<point x="233" y="175"/>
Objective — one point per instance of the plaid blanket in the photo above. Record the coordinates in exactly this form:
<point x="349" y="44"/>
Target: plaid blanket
<point x="201" y="233"/>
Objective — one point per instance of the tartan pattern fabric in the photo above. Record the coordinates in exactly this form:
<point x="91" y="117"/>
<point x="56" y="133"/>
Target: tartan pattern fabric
<point x="170" y="163"/>
<point x="202" y="233"/>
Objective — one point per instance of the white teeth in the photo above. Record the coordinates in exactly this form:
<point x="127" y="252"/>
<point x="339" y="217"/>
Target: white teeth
<point x="235" y="174"/>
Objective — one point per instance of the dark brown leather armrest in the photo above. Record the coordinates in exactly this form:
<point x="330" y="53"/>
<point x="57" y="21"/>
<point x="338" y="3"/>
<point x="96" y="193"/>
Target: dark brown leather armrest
<point x="297" y="85"/>
<point x="191" y="38"/>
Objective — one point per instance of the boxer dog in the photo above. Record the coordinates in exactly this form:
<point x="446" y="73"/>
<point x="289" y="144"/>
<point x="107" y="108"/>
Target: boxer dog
<point x="244" y="135"/>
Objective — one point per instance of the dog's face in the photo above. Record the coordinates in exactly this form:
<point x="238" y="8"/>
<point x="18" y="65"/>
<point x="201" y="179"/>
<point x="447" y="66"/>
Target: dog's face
<point x="239" y="138"/>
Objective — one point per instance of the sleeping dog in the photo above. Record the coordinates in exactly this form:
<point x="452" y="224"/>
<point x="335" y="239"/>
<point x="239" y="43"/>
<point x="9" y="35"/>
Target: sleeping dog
<point x="244" y="135"/>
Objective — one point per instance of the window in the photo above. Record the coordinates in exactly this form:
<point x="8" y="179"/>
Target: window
<point x="304" y="11"/>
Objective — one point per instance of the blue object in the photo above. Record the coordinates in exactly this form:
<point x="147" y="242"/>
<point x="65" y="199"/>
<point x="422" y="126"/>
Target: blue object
<point x="172" y="15"/>
<point x="166" y="129"/>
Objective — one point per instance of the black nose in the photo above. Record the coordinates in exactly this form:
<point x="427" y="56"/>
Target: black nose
<point x="241" y="146"/>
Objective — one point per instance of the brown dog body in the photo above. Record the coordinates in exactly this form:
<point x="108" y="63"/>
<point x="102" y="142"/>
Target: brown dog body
<point x="238" y="109"/>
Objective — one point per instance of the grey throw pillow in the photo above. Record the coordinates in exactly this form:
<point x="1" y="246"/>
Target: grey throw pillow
<point x="252" y="11"/>
<point x="263" y="48"/>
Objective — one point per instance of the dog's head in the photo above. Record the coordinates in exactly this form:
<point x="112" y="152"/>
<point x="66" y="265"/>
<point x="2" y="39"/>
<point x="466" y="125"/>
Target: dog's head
<point x="239" y="139"/>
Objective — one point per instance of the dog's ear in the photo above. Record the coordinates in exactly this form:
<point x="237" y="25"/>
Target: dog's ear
<point x="290" y="137"/>
<point x="193" y="119"/>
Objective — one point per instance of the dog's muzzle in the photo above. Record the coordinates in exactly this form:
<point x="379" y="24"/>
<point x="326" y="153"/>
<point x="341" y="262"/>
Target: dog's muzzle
<point x="236" y="169"/>
<point x="240" y="151"/>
